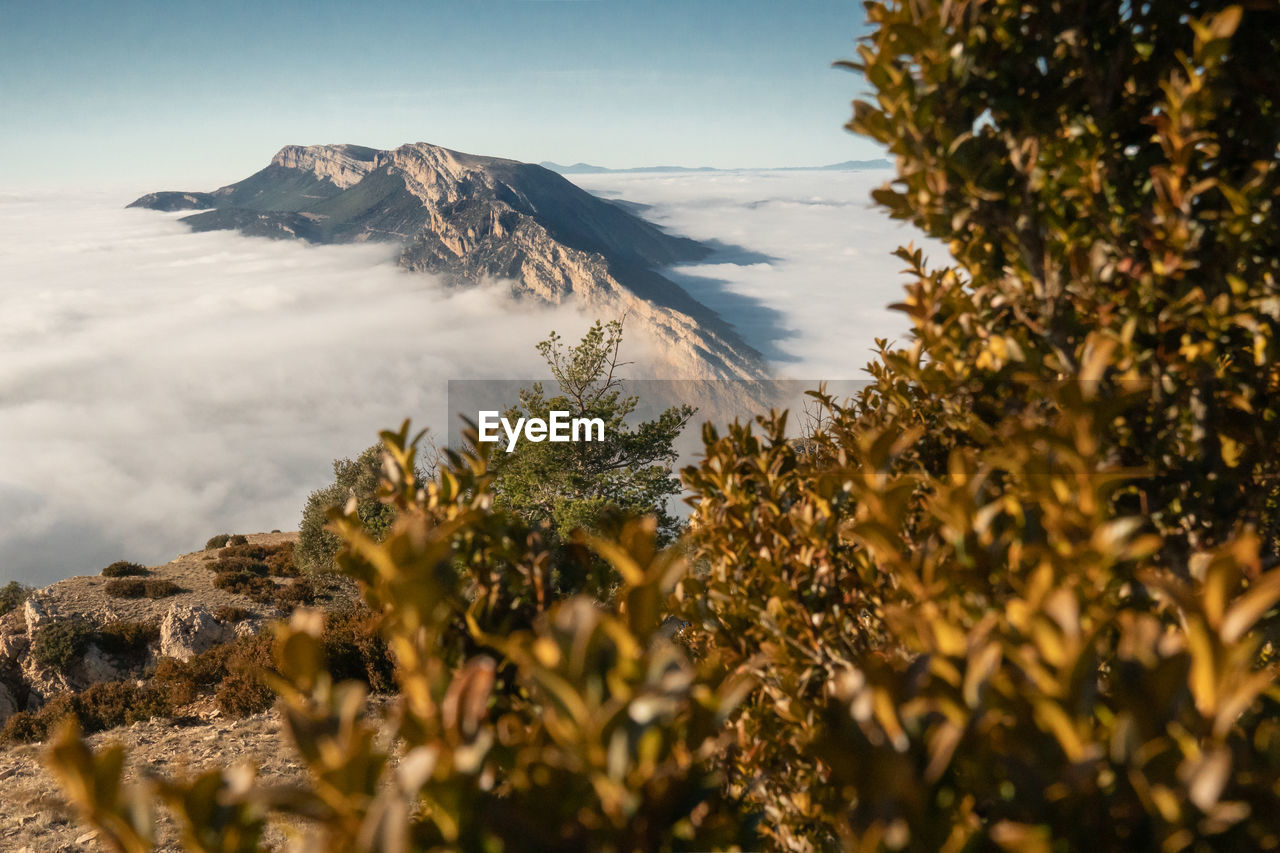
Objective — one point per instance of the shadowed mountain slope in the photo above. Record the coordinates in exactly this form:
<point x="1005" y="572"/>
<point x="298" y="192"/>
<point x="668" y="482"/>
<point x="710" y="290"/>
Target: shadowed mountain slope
<point x="472" y="218"/>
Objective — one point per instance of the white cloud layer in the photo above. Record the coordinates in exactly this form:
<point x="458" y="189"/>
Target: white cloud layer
<point x="815" y="304"/>
<point x="159" y="386"/>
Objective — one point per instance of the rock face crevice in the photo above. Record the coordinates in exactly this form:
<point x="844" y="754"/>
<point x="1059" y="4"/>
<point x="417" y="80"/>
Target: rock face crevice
<point x="473" y="219"/>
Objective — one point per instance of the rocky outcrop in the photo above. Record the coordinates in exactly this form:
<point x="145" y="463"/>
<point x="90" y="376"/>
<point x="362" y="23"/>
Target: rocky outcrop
<point x="187" y="631"/>
<point x="13" y="646"/>
<point x="8" y="703"/>
<point x="90" y="668"/>
<point x="472" y="219"/>
<point x="35" y="612"/>
<point x="342" y="165"/>
<point x="185" y="620"/>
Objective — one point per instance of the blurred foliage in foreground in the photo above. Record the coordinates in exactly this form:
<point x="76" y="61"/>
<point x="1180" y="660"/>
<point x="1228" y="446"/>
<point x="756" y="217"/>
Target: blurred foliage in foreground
<point x="1020" y="594"/>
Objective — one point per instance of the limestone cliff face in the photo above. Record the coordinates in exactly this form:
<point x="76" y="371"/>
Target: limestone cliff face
<point x="472" y="219"/>
<point x="342" y="165"/>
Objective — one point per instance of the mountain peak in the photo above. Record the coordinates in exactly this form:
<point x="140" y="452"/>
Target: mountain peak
<point x="471" y="219"/>
<point x="343" y="165"/>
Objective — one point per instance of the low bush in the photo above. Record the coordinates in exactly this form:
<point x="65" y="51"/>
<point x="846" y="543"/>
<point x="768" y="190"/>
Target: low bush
<point x="104" y="705"/>
<point x="273" y="560"/>
<point x="107" y="704"/>
<point x="126" y="588"/>
<point x="58" y="644"/>
<point x="279" y="560"/>
<point x="229" y="614"/>
<point x="23" y="727"/>
<point x="139" y="588"/>
<point x="180" y="682"/>
<point x="355" y="651"/>
<point x="232" y="672"/>
<point x="123" y="569"/>
<point x="128" y="639"/>
<point x="161" y="588"/>
<point x="238" y="539"/>
<point x="243" y="693"/>
<point x="246" y="583"/>
<point x="217" y="541"/>
<point x="12" y="595"/>
<point x="227" y="563"/>
<point x="293" y="594"/>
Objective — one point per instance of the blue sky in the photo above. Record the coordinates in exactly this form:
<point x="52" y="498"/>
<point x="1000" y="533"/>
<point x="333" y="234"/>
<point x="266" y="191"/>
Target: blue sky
<point x="149" y="93"/>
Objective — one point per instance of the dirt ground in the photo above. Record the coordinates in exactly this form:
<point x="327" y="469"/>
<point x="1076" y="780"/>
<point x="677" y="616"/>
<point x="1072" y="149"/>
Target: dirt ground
<point x="35" y="819"/>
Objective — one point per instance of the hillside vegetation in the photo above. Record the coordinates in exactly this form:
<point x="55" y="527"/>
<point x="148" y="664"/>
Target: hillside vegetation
<point x="1020" y="594"/>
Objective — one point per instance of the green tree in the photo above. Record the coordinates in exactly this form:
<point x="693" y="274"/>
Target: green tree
<point x="567" y="485"/>
<point x="353" y="478"/>
<point x="12" y="595"/>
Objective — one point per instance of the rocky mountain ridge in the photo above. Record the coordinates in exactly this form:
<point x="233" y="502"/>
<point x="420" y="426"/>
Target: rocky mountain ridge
<point x="471" y="219"/>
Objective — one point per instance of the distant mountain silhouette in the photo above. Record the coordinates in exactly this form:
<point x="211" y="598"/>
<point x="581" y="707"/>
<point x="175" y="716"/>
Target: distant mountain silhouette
<point x="473" y="218"/>
<point x="588" y="169"/>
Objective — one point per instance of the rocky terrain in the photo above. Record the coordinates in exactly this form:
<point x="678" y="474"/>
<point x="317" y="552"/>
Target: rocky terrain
<point x="194" y="738"/>
<point x="186" y="622"/>
<point x="36" y="819"/>
<point x="472" y="218"/>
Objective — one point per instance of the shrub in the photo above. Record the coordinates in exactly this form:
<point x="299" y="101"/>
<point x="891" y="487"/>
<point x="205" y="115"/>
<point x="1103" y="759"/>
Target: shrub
<point x="59" y="643"/>
<point x="229" y="614"/>
<point x="280" y="562"/>
<point x="217" y="541"/>
<point x="246" y="583"/>
<point x="237" y="539"/>
<point x="157" y="588"/>
<point x="273" y="560"/>
<point x="12" y="595"/>
<point x="290" y="595"/>
<point x="242" y="693"/>
<point x="139" y="588"/>
<point x="101" y="706"/>
<point x="359" y="477"/>
<point x="178" y="683"/>
<point x="354" y="650"/>
<point x="107" y="704"/>
<point x="230" y="563"/>
<point x="123" y="568"/>
<point x="128" y="639"/>
<point x="231" y="672"/>
<point x="126" y="588"/>
<point x="24" y="727"/>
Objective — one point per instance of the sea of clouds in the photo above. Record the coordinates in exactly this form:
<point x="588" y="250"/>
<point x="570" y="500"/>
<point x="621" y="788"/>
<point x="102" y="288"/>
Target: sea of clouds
<point x="806" y="274"/>
<point x="159" y="386"/>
